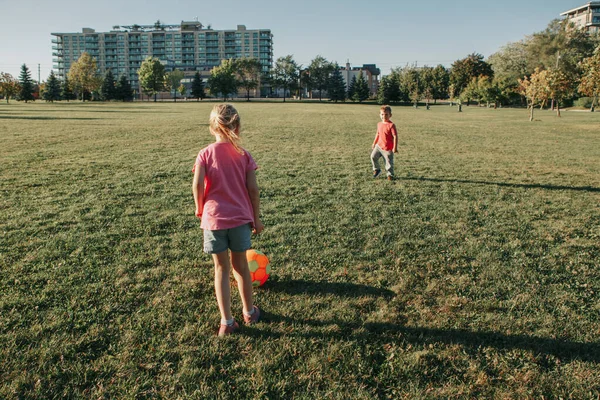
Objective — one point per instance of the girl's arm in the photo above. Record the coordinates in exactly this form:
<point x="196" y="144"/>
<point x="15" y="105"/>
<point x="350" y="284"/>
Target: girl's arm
<point x="198" y="189"/>
<point x="253" y="192"/>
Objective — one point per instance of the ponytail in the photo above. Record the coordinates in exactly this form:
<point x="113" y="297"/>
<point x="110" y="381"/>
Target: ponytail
<point x="225" y="122"/>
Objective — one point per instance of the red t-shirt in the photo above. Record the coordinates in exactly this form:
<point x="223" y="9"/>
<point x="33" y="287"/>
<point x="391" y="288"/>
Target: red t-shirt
<point x="226" y="201"/>
<point x="385" y="135"/>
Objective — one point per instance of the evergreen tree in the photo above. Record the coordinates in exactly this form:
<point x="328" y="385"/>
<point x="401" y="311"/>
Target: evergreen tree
<point x="198" y="87"/>
<point x="337" y="87"/>
<point x="27" y="84"/>
<point x="108" y="90"/>
<point x="352" y="88"/>
<point x="123" y="89"/>
<point x="383" y="92"/>
<point x="66" y="93"/>
<point x="361" y="90"/>
<point x="52" y="91"/>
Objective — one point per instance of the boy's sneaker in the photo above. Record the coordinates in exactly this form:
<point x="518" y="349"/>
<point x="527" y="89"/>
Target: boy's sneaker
<point x="390" y="178"/>
<point x="376" y="173"/>
<point x="251" y="319"/>
<point x="225" y="330"/>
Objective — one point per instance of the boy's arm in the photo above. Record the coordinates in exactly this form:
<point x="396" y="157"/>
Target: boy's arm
<point x="198" y="189"/>
<point x="395" y="135"/>
<point x="375" y="140"/>
<point x="252" y="187"/>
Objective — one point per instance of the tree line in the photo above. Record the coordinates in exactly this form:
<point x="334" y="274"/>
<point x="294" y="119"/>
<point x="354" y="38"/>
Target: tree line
<point x="548" y="67"/>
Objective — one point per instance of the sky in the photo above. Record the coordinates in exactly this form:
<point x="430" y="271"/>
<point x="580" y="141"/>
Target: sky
<point x="388" y="33"/>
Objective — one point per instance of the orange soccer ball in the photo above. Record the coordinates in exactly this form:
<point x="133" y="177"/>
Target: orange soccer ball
<point x="259" y="267"/>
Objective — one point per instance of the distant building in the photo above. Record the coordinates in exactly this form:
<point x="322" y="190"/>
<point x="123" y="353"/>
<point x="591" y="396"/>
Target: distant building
<point x="586" y="17"/>
<point x="188" y="47"/>
<point x="370" y="72"/>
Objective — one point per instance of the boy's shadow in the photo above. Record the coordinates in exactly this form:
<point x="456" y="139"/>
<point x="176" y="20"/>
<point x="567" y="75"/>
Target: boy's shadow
<point x="373" y="332"/>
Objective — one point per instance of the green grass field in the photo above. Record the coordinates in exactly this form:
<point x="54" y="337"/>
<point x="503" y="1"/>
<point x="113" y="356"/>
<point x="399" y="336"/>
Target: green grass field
<point x="474" y="275"/>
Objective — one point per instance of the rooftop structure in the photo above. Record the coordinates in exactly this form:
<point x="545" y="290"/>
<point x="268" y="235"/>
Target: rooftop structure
<point x="586" y="17"/>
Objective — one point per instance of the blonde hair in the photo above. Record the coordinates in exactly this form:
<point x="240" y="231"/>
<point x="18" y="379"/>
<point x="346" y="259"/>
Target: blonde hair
<point x="225" y="122"/>
<point x="386" y="109"/>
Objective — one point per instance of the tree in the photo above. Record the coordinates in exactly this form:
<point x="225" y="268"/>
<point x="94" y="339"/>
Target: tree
<point x="83" y="75"/>
<point x="441" y="80"/>
<point x="66" y="93"/>
<point x="123" y="90"/>
<point x="352" y="88"/>
<point x="198" y="87"/>
<point x="535" y="89"/>
<point x="361" y="91"/>
<point x="152" y="76"/>
<point x="222" y="80"/>
<point x="319" y="71"/>
<point x="463" y="71"/>
<point x="182" y="90"/>
<point x="108" y="89"/>
<point x="9" y="86"/>
<point x="510" y="62"/>
<point x="560" y="87"/>
<point x="286" y="74"/>
<point x="247" y="72"/>
<point x="26" y="84"/>
<point x="52" y="90"/>
<point x="590" y="78"/>
<point x="337" y="86"/>
<point x="172" y="81"/>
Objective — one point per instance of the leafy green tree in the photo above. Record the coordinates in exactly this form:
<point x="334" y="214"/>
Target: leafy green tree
<point x="152" y="76"/>
<point x="510" y="62"/>
<point x="26" y="84"/>
<point x="66" y="93"/>
<point x="361" y="91"/>
<point x="83" y="75"/>
<point x="590" y="79"/>
<point x="440" y="82"/>
<point x="52" y="89"/>
<point x="123" y="90"/>
<point x="198" y="87"/>
<point x="286" y="74"/>
<point x="9" y="86"/>
<point x="337" y="86"/>
<point x="108" y="89"/>
<point x="319" y="71"/>
<point x="222" y="80"/>
<point x="172" y="81"/>
<point x="410" y="83"/>
<point x="351" y="88"/>
<point x="247" y="73"/>
<point x="463" y="71"/>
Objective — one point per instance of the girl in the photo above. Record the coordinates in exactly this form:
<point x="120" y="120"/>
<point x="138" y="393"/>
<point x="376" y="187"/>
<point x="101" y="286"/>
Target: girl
<point x="227" y="201"/>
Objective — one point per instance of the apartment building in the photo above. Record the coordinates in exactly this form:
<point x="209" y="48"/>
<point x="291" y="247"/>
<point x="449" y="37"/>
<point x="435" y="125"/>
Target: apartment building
<point x="585" y="17"/>
<point x="188" y="47"/>
<point x="370" y="72"/>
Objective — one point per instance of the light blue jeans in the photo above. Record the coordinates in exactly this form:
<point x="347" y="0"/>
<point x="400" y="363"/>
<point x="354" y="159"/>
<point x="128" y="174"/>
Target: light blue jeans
<point x="388" y="156"/>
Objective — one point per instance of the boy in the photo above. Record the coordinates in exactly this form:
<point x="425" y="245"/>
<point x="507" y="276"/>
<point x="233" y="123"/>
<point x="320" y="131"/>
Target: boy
<point x="385" y="143"/>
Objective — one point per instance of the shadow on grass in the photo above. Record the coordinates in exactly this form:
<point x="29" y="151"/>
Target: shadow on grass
<point x="43" y="118"/>
<point x="504" y="184"/>
<point x="564" y="350"/>
<point x="342" y="289"/>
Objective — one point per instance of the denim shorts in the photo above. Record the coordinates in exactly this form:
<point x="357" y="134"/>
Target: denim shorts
<point x="236" y="239"/>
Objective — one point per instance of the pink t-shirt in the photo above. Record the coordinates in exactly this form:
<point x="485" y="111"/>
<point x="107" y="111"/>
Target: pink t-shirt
<point x="226" y="201"/>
